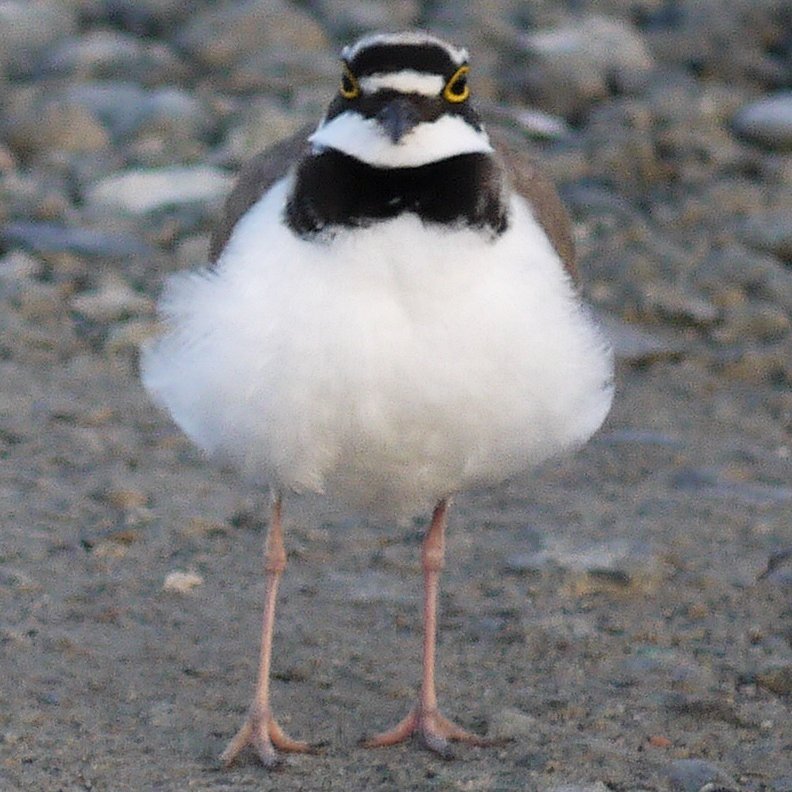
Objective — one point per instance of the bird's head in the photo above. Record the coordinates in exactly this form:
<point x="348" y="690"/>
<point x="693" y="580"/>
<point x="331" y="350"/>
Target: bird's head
<point x="403" y="101"/>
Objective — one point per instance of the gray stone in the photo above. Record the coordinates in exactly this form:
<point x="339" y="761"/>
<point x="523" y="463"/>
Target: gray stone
<point x="690" y="775"/>
<point x="18" y="266"/>
<point x="138" y="192"/>
<point x="120" y="106"/>
<point x="113" y="300"/>
<point x="771" y="232"/>
<point x="263" y="122"/>
<point x="597" y="786"/>
<point x="510" y="724"/>
<point x="54" y="238"/>
<point x="224" y="34"/>
<point x="636" y="344"/>
<point x="127" y="109"/>
<point x="712" y="483"/>
<point x="111" y="54"/>
<point x="576" y="64"/>
<point x="777" y="678"/>
<point x="28" y="27"/>
<point x="598" y="566"/>
<point x="678" y="306"/>
<point x="767" y="122"/>
<point x="350" y="19"/>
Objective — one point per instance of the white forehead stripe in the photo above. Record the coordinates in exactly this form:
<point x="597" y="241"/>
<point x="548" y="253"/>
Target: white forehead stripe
<point x="416" y="37"/>
<point x="406" y="81"/>
<point x="365" y="140"/>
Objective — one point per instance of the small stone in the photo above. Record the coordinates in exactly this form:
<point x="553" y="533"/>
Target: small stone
<point x="690" y="775"/>
<point x="263" y="123"/>
<point x="126" y="499"/>
<point x="635" y="344"/>
<point x="511" y="723"/>
<point x="181" y="582"/>
<point x="767" y="122"/>
<point x="352" y="19"/>
<point x="659" y="741"/>
<point x="131" y="335"/>
<point x="82" y="241"/>
<point x="606" y="567"/>
<point x="680" y="307"/>
<point x="121" y="106"/>
<point x="111" y="54"/>
<point x="18" y="266"/>
<point x="224" y="34"/>
<point x="668" y="666"/>
<point x="193" y="251"/>
<point x="757" y="319"/>
<point x="113" y="300"/>
<point x="138" y="192"/>
<point x="771" y="232"/>
<point x="28" y="28"/>
<point x="577" y="64"/>
<point x="65" y="127"/>
<point x="598" y="786"/>
<point x="777" y="679"/>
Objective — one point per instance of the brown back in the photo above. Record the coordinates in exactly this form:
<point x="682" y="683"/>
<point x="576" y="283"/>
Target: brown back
<point x="527" y="178"/>
<point x="255" y="178"/>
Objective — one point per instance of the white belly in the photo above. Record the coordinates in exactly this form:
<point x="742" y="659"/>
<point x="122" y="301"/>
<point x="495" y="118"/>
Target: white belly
<point x="388" y="366"/>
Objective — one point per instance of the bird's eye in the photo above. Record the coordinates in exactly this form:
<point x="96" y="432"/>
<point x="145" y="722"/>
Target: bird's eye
<point x="457" y="88"/>
<point x="350" y="88"/>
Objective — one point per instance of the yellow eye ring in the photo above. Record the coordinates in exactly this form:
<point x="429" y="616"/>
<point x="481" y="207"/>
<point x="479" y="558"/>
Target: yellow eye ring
<point x="452" y="92"/>
<point x="350" y="87"/>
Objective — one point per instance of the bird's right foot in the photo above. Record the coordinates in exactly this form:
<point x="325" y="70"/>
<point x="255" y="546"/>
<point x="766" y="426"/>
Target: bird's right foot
<point x="262" y="733"/>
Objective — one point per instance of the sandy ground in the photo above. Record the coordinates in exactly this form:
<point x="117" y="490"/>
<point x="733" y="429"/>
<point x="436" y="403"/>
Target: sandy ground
<point x="608" y="613"/>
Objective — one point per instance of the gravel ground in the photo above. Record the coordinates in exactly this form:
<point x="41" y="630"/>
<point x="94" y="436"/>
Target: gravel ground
<point x="623" y="616"/>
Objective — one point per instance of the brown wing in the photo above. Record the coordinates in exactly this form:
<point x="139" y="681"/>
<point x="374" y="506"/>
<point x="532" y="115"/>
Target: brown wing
<point x="255" y="178"/>
<point x="527" y="178"/>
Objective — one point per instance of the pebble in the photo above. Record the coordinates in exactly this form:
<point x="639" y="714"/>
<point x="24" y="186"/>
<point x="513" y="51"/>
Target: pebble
<point x="691" y="775"/>
<point x="226" y="33"/>
<point x="635" y="344"/>
<point x="28" y="28"/>
<point x="777" y="679"/>
<point x="18" y="266"/>
<point x="262" y="122"/>
<point x="144" y="17"/>
<point x="82" y="241"/>
<point x="181" y="582"/>
<point x="767" y="122"/>
<point x="771" y="232"/>
<point x="598" y="786"/>
<point x="713" y="483"/>
<point x="113" y="55"/>
<point x="351" y="18"/>
<point x="606" y="566"/>
<point x="680" y="307"/>
<point x="577" y="64"/>
<point x="140" y="191"/>
<point x="130" y="335"/>
<point x="672" y="667"/>
<point x="112" y="301"/>
<point x="510" y="723"/>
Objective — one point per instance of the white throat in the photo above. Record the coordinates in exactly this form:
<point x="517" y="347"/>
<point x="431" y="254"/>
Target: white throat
<point x="365" y="140"/>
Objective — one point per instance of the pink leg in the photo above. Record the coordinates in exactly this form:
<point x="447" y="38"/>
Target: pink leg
<point x="260" y="729"/>
<point x="425" y="718"/>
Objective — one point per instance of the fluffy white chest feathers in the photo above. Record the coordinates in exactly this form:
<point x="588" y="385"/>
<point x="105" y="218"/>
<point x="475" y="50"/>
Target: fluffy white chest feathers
<point x="389" y="366"/>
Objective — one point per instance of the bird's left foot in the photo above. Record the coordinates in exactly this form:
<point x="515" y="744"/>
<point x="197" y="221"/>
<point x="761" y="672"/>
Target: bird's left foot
<point x="433" y="728"/>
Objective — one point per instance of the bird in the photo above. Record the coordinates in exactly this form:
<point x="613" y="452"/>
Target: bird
<point x="389" y="316"/>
